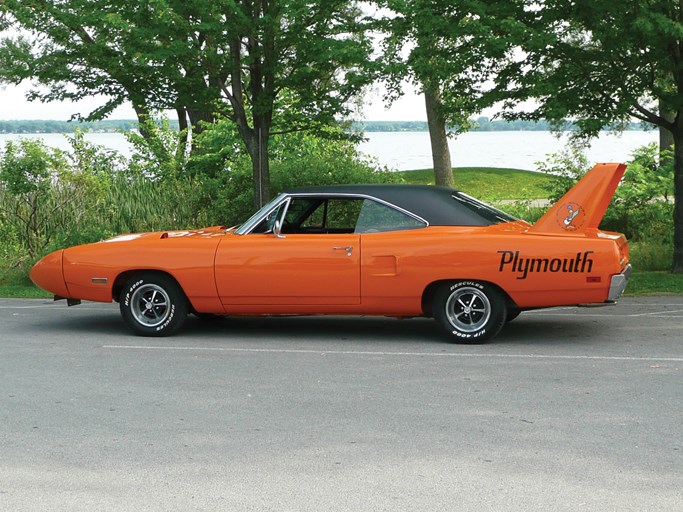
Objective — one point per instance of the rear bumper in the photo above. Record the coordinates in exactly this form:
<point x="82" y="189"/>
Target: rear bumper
<point x="618" y="284"/>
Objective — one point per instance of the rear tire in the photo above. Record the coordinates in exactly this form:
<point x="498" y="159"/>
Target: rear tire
<point x="469" y="311"/>
<point x="153" y="305"/>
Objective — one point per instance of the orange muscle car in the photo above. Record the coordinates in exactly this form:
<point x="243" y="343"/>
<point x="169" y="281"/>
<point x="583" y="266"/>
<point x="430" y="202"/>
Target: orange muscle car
<point x="394" y="250"/>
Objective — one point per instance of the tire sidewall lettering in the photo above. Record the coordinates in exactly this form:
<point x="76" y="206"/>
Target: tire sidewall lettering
<point x="168" y="320"/>
<point x="461" y="284"/>
<point x="469" y="334"/>
<point x="130" y="291"/>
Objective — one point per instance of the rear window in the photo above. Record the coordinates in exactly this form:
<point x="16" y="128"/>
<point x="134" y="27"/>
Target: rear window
<point x="488" y="212"/>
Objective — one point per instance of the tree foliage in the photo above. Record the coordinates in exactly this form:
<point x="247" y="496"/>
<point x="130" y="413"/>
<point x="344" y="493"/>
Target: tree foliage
<point x="601" y="64"/>
<point x="288" y="64"/>
<point x="450" y="50"/>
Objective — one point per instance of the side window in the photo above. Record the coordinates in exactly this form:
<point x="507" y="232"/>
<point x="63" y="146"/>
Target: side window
<point x="299" y="208"/>
<point x="333" y="215"/>
<point x="342" y="214"/>
<point x="376" y="217"/>
<point x="316" y="220"/>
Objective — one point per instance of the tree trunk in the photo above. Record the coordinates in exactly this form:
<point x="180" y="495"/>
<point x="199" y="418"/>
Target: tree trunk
<point x="149" y="131"/>
<point x="197" y="117"/>
<point x="183" y="135"/>
<point x="677" y="267"/>
<point x="666" y="138"/>
<point x="441" y="155"/>
<point x="144" y="117"/>
<point x="261" y="169"/>
<point x="256" y="141"/>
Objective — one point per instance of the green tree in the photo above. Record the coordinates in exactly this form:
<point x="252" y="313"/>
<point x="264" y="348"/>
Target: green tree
<point x="454" y="48"/>
<point x="286" y="65"/>
<point x="270" y="66"/>
<point x="603" y="63"/>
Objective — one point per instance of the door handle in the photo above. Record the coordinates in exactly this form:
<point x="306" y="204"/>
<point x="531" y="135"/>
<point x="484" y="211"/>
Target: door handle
<point x="348" y="249"/>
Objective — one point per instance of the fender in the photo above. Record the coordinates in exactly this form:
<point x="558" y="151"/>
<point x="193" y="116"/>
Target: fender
<point x="581" y="209"/>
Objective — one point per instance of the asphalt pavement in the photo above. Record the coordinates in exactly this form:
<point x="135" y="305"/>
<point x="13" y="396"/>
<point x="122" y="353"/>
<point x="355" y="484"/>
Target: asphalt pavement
<point x="567" y="409"/>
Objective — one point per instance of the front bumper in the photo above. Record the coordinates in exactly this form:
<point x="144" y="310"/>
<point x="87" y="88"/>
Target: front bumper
<point x="618" y="284"/>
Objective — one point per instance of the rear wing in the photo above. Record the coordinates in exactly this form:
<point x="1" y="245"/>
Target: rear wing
<point x="582" y="208"/>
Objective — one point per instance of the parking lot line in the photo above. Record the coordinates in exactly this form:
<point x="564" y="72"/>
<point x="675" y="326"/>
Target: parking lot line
<point x="572" y="312"/>
<point x="399" y="354"/>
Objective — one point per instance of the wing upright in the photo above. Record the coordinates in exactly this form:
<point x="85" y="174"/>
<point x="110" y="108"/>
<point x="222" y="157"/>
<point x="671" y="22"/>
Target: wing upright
<point x="582" y="208"/>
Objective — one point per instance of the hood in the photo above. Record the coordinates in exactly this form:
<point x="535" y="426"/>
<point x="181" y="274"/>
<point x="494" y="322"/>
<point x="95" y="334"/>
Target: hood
<point x="212" y="231"/>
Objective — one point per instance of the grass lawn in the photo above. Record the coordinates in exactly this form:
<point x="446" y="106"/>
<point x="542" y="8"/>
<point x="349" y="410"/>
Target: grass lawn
<point x="488" y="183"/>
<point x="23" y="290"/>
<point x="645" y="283"/>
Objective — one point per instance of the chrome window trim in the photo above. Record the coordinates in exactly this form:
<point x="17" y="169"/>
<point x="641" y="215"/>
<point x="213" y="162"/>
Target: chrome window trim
<point x="246" y="228"/>
<point x="256" y="219"/>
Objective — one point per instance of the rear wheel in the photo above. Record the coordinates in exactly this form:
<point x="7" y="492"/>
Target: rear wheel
<point x="469" y="311"/>
<point x="153" y="305"/>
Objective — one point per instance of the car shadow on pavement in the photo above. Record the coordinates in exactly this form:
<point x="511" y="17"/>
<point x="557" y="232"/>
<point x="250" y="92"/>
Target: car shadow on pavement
<point x="537" y="330"/>
<point x="315" y="328"/>
<point x="531" y="330"/>
<point x="106" y="324"/>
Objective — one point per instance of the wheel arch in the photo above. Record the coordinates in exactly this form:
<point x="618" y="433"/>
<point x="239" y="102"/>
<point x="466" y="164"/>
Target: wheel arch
<point x="431" y="289"/>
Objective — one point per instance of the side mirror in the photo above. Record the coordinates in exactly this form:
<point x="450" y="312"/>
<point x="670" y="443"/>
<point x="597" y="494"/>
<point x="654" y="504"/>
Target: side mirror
<point x="277" y="229"/>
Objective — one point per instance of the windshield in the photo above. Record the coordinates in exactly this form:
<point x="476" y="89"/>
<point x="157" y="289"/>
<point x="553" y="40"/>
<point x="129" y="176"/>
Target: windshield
<point x="256" y="218"/>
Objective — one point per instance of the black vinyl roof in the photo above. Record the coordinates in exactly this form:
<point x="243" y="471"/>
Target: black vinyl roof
<point x="439" y="206"/>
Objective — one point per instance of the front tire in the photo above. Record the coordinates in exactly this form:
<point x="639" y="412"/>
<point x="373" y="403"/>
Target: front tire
<point x="153" y="305"/>
<point x="469" y="311"/>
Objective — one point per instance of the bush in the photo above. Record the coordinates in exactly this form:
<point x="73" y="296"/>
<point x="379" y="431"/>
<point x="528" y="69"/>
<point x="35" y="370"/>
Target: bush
<point x="640" y="207"/>
<point x="649" y="255"/>
<point x="51" y="199"/>
<point x="565" y="169"/>
<point x="12" y="255"/>
<point x="298" y="159"/>
<point x="32" y="205"/>
<point x="522" y="209"/>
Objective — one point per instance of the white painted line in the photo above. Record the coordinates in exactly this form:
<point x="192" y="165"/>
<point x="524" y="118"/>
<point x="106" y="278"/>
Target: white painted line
<point x="382" y="353"/>
<point x="577" y="312"/>
<point x="55" y="306"/>
<point x="42" y="306"/>
<point x="665" y="312"/>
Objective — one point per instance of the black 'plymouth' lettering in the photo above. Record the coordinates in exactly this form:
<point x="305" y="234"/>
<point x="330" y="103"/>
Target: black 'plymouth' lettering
<point x="512" y="261"/>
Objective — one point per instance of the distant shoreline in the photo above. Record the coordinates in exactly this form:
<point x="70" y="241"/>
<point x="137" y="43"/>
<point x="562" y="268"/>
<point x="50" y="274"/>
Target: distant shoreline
<point x="483" y="124"/>
<point x="412" y="150"/>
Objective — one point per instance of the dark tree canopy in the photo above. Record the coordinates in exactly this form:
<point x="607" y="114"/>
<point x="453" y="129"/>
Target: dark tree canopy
<point x="604" y="63"/>
<point x="265" y="64"/>
<point x="451" y="49"/>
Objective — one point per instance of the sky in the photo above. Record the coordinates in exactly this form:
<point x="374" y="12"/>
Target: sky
<point x="14" y="106"/>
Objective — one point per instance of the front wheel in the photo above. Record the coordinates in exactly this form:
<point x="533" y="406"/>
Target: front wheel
<point x="153" y="305"/>
<point x="469" y="311"/>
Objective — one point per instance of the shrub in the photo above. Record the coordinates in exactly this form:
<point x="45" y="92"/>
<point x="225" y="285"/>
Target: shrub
<point x="640" y="207"/>
<point x="51" y="199"/>
<point x="298" y="159"/>
<point x="649" y="255"/>
<point x="31" y="205"/>
<point x="565" y="169"/>
<point x="524" y="209"/>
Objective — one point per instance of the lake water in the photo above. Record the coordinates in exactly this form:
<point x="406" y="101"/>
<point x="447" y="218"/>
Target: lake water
<point x="411" y="150"/>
